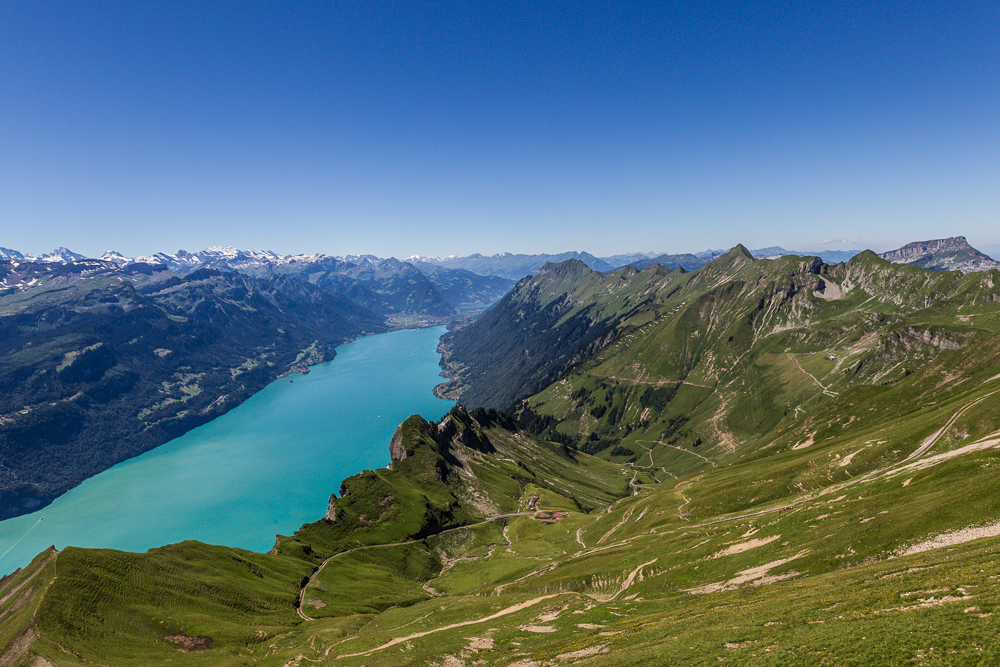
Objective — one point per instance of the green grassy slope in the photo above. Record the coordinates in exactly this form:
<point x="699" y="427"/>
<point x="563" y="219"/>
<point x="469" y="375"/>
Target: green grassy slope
<point x="743" y="346"/>
<point x="545" y="323"/>
<point x="816" y="554"/>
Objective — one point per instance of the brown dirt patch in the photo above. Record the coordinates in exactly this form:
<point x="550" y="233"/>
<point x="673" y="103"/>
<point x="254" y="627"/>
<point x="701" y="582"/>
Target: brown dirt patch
<point x="480" y="643"/>
<point x="190" y="644"/>
<point x="582" y="653"/>
<point x="18" y="647"/>
<point x="538" y="628"/>
<point x="951" y="538"/>
<point x="552" y="614"/>
<point x="755" y="576"/>
<point x="803" y="445"/>
<point x="746" y="546"/>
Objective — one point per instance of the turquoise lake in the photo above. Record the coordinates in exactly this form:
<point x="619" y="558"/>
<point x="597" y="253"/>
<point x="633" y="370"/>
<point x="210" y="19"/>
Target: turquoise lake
<point x="264" y="468"/>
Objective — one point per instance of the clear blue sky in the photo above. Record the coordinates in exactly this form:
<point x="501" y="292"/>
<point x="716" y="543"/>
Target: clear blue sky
<point x="457" y="127"/>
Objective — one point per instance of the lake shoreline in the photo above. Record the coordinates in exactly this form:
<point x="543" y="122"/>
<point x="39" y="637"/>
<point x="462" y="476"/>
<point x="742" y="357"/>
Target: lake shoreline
<point x="332" y="423"/>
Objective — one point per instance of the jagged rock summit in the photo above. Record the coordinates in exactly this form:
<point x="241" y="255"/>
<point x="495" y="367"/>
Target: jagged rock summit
<point x="951" y="254"/>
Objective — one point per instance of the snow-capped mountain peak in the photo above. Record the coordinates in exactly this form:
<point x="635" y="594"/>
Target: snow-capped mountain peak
<point x="116" y="258"/>
<point x="59" y="256"/>
<point x="225" y="251"/>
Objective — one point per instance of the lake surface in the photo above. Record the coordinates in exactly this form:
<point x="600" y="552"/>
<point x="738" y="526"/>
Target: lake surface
<point x="262" y="469"/>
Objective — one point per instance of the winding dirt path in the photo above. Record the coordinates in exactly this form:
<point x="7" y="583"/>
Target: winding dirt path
<point x="504" y="612"/>
<point x="655" y="383"/>
<point x="513" y="609"/>
<point x="937" y="436"/>
<point x="917" y="453"/>
<point x="631" y="579"/>
<point x="680" y="508"/>
<point x="625" y="517"/>
<point x="818" y="383"/>
<point x="305" y="587"/>
<point x="680" y="449"/>
<point x="502" y="587"/>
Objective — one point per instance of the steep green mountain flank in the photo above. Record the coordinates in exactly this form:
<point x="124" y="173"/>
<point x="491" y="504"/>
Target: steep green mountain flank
<point x="953" y="254"/>
<point x="693" y="366"/>
<point x="99" y="364"/>
<point x="461" y="470"/>
<point x="863" y="531"/>
<point x="546" y="323"/>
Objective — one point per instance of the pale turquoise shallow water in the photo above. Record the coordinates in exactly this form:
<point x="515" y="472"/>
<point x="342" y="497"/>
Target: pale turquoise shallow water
<point x="262" y="469"/>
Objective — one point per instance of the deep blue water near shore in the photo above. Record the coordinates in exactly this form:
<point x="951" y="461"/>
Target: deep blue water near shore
<point x="262" y="469"/>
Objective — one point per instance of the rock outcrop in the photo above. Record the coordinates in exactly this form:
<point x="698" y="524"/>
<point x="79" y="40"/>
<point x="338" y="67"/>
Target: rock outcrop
<point x="952" y="254"/>
<point x="397" y="450"/>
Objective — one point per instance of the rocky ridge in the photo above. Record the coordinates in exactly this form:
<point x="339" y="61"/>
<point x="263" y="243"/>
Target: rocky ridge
<point x="951" y="254"/>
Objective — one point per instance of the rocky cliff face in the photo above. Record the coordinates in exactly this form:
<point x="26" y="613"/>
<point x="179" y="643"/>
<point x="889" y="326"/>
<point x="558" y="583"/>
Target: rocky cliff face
<point x="952" y="254"/>
<point x="397" y="450"/>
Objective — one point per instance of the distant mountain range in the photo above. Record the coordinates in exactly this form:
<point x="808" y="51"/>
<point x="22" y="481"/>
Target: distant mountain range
<point x="513" y="266"/>
<point x="57" y="256"/>
<point x="386" y="286"/>
<point x="440" y="286"/>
